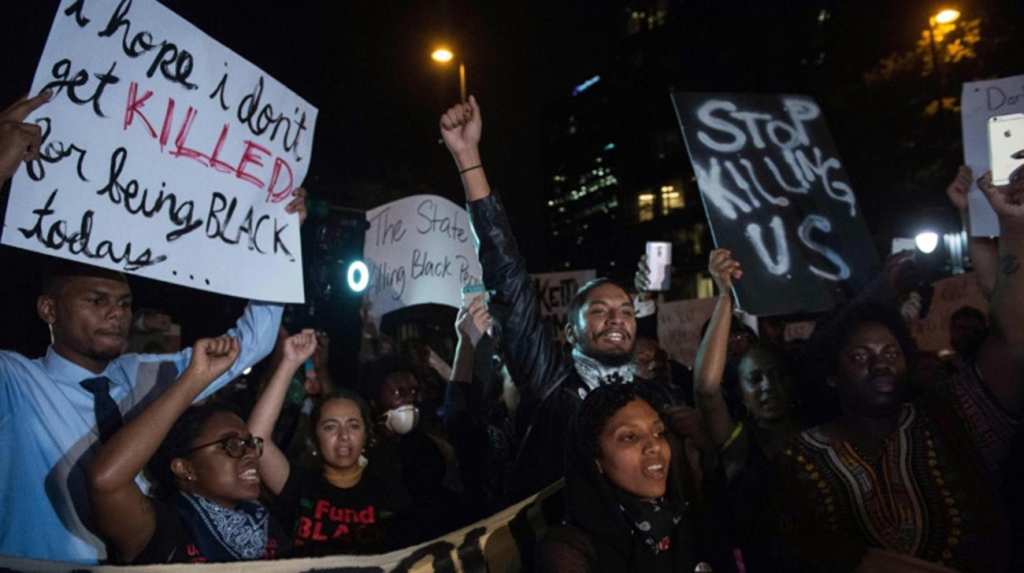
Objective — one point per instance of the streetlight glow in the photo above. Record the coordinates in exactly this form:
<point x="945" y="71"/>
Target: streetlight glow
<point x="927" y="242"/>
<point x="947" y="16"/>
<point x="442" y="55"/>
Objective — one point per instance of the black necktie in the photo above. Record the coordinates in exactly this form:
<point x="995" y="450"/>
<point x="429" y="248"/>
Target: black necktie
<point x="108" y="416"/>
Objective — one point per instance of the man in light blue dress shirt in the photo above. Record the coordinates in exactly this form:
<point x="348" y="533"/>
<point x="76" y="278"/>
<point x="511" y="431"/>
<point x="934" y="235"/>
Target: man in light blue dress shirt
<point x="48" y="426"/>
<point x="48" y="429"/>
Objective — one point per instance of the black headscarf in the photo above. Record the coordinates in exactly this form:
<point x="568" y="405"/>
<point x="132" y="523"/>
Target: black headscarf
<point x="613" y="518"/>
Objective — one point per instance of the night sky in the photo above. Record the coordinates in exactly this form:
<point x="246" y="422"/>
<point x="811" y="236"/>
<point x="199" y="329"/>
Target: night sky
<point x="366" y="66"/>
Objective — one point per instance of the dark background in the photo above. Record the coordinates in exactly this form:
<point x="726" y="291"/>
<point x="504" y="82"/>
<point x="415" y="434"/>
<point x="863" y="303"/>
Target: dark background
<point x="366" y="66"/>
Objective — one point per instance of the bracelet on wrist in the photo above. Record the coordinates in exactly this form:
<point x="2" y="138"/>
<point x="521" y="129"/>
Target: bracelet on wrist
<point x="468" y="169"/>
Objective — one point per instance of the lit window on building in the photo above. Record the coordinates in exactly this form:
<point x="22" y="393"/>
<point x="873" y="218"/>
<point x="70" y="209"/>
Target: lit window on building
<point x="645" y="207"/>
<point x="705" y="286"/>
<point x="671" y="199"/>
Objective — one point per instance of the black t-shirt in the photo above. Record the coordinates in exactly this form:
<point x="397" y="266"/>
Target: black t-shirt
<point x="328" y="520"/>
<point x="173" y="541"/>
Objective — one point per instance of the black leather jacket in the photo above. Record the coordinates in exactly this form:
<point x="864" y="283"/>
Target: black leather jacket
<point x="542" y="371"/>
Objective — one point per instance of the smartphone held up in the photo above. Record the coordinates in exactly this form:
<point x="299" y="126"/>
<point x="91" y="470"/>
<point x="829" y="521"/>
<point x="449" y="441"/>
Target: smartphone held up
<point x="1005" y="140"/>
<point x="659" y="263"/>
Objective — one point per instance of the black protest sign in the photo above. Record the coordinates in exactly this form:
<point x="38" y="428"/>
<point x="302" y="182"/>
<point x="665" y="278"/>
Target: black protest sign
<point x="777" y="196"/>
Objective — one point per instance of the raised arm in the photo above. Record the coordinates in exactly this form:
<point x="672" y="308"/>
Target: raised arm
<point x="274" y="465"/>
<point x="470" y="326"/>
<point x="461" y="127"/>
<point x="984" y="251"/>
<point x="532" y="355"/>
<point x="1001" y="357"/>
<point x="124" y="514"/>
<point x="711" y="357"/>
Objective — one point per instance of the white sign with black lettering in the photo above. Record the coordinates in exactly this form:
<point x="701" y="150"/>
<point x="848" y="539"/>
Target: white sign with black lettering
<point x="980" y="101"/>
<point x="419" y="250"/>
<point x="164" y="155"/>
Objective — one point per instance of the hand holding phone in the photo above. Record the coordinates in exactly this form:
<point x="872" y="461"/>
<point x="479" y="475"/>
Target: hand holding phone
<point x="659" y="261"/>
<point x="1005" y="140"/>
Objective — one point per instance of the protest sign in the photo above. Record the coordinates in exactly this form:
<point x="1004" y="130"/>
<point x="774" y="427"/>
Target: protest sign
<point x="419" y="250"/>
<point x="554" y="291"/>
<point x="776" y="195"/>
<point x="164" y="155"/>
<point x="980" y="101"/>
<point x="679" y="325"/>
<point x="951" y="294"/>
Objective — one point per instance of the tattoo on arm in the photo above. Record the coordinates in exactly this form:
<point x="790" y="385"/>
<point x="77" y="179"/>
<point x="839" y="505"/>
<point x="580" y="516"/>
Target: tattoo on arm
<point x="1009" y="264"/>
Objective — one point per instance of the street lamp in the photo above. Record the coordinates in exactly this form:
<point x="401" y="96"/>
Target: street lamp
<point x="444" y="55"/>
<point x="947" y="16"/>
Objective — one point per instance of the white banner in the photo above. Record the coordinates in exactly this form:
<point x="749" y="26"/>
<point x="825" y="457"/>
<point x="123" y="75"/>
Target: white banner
<point x="978" y="102"/>
<point x="488" y="546"/>
<point x="165" y="155"/>
<point x="419" y="250"/>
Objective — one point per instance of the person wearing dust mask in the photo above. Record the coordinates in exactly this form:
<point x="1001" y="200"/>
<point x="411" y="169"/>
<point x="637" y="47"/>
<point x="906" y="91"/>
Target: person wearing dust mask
<point x="407" y="452"/>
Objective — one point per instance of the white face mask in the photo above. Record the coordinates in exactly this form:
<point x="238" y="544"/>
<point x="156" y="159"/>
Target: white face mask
<point x="403" y="419"/>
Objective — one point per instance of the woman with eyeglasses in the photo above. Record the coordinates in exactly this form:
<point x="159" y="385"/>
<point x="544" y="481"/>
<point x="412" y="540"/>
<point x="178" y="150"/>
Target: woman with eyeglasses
<point x="204" y="467"/>
<point x="338" y="508"/>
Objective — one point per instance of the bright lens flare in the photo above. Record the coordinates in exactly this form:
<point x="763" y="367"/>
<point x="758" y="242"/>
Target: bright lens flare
<point x="947" y="16"/>
<point x="442" y="55"/>
<point x="926" y="242"/>
<point x="358" y="276"/>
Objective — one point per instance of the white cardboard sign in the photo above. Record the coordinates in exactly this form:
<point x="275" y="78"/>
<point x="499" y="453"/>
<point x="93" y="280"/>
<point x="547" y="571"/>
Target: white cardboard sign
<point x="165" y="155"/>
<point x="419" y="250"/>
<point x="980" y="101"/>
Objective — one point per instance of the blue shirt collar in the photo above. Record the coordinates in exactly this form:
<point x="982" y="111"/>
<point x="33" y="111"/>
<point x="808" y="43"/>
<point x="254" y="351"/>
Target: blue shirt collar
<point x="67" y="372"/>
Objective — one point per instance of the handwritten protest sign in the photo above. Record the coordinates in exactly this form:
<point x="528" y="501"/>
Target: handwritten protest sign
<point x="164" y="154"/>
<point x="679" y="325"/>
<point x="554" y="291"/>
<point x="419" y="250"/>
<point x="950" y="295"/>
<point x="777" y="196"/>
<point x="980" y="101"/>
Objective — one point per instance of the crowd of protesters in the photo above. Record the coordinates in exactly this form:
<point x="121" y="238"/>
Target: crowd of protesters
<point x="850" y="451"/>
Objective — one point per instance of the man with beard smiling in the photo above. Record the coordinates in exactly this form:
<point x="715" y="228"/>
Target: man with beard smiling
<point x="56" y="411"/>
<point x="600" y="322"/>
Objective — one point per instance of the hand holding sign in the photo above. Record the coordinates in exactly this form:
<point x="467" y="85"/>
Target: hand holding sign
<point x="20" y="141"/>
<point x="723" y="269"/>
<point x="298" y="205"/>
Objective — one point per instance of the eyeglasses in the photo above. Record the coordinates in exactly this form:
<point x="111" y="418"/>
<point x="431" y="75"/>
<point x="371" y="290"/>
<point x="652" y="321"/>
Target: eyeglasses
<point x="234" y="446"/>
